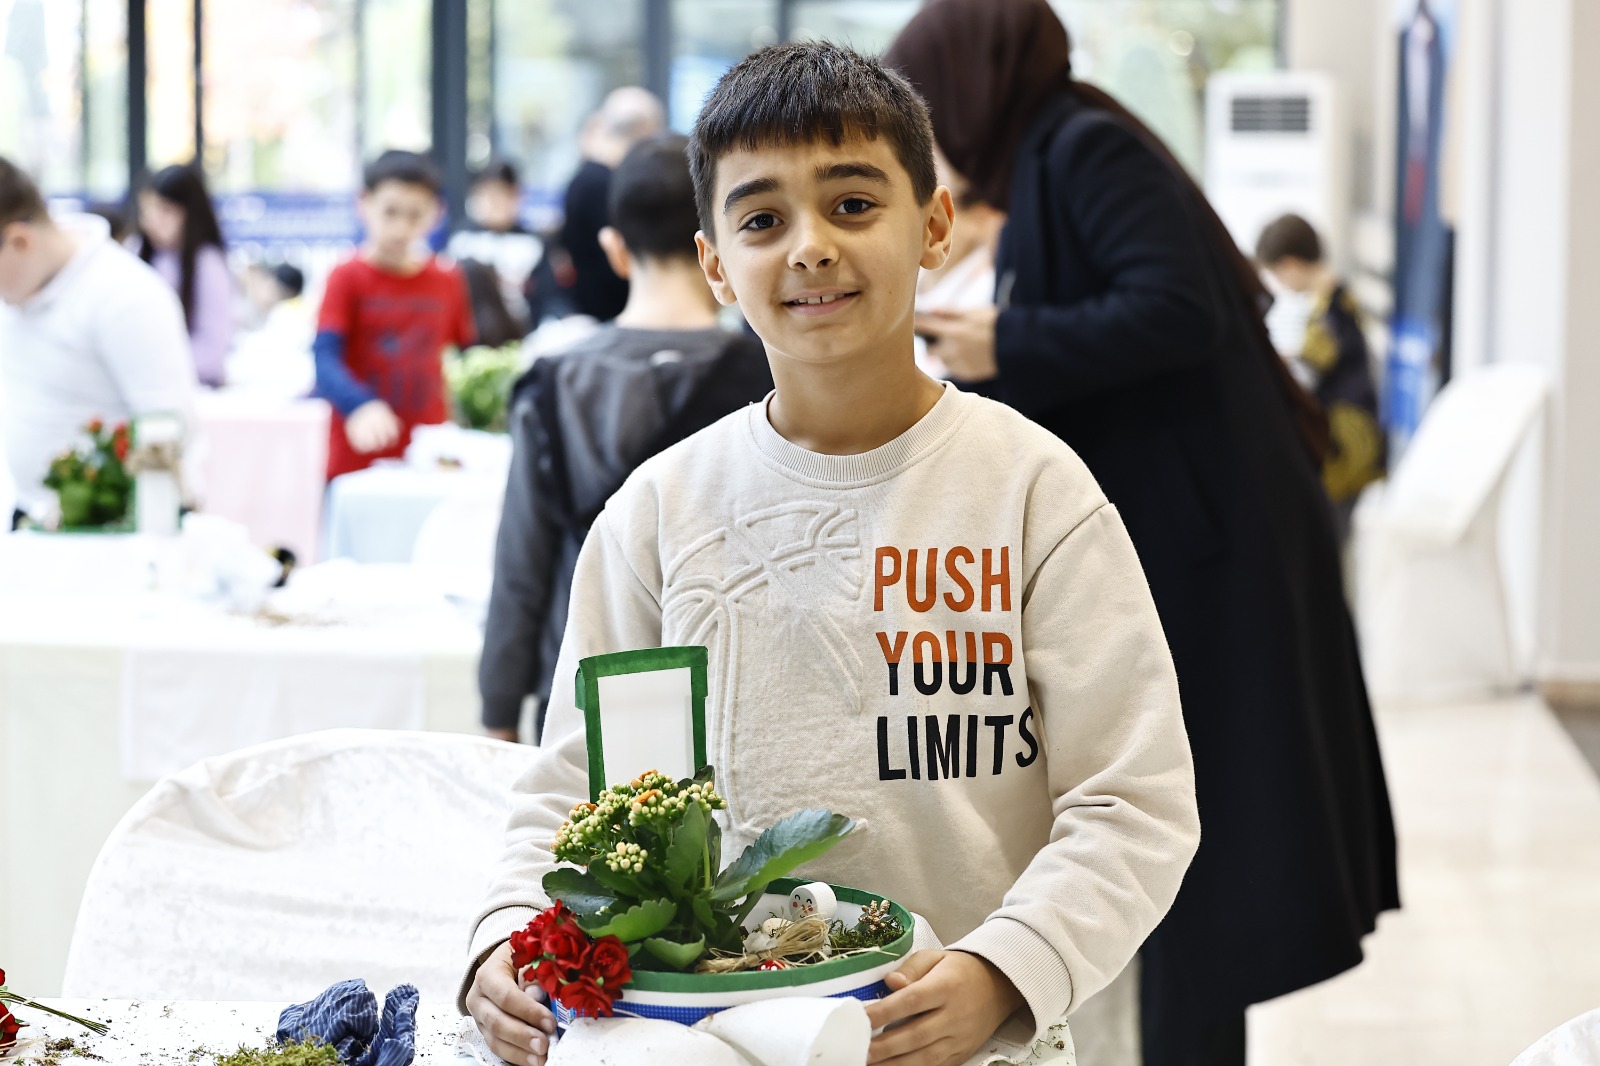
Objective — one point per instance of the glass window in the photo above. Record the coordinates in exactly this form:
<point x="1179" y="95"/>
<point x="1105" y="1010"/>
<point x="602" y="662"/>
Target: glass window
<point x="554" y="61"/>
<point x="708" y="37"/>
<point x="396" y="75"/>
<point x="40" y="102"/>
<point x="866" y="25"/>
<point x="280" y="95"/>
<point x="105" y="98"/>
<point x="169" y="86"/>
<point x="1155" y="56"/>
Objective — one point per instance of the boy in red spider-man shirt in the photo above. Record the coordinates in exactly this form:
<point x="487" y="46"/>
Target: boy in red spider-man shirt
<point x="387" y="315"/>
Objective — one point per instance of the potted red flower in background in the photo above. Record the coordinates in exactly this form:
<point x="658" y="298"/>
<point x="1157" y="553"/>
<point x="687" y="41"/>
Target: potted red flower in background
<point x="92" y="484"/>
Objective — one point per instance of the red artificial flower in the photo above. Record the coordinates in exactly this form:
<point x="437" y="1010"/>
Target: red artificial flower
<point x="549" y="976"/>
<point x="95" y="426"/>
<point x="568" y="944"/>
<point x="608" y="963"/>
<point x="10" y="1027"/>
<point x="119" y="443"/>
<point x="585" y="998"/>
<point x="2" y="978"/>
<point x="526" y="946"/>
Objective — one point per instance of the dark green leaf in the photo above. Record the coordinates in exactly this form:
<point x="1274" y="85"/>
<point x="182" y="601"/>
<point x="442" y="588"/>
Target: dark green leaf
<point x="583" y="894"/>
<point x="797" y="839"/>
<point x="686" y="853"/>
<point x="636" y="923"/>
<point x="677" y="955"/>
<point x="623" y="886"/>
<point x="703" y="913"/>
<point x="714" y="842"/>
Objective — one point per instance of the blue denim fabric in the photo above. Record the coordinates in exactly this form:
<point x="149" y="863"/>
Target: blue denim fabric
<point x="346" y="1016"/>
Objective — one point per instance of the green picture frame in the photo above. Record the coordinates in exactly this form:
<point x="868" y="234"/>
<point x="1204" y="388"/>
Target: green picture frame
<point x="646" y="660"/>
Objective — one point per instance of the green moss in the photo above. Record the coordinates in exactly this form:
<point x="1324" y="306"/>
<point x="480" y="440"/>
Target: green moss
<point x="310" y="1052"/>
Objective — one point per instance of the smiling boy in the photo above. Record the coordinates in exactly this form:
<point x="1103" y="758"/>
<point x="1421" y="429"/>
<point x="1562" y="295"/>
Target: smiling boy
<point x="920" y="609"/>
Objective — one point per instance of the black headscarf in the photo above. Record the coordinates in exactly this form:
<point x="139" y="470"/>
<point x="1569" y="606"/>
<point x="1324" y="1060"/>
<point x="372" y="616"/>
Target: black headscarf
<point x="987" y="68"/>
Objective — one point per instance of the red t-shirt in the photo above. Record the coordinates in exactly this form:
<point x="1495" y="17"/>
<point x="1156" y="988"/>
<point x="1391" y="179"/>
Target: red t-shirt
<point x="395" y="329"/>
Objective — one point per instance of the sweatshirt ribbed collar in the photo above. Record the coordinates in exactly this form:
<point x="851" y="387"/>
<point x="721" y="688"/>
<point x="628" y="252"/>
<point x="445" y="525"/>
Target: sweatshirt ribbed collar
<point x="863" y="468"/>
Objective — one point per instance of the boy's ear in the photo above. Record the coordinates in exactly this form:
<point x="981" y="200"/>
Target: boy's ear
<point x="939" y="224"/>
<point x="711" y="265"/>
<point x="616" y="250"/>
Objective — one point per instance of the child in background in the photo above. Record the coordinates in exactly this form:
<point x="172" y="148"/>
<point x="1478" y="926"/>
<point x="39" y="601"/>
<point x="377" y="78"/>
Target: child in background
<point x="1333" y="363"/>
<point x="919" y="606"/>
<point x="387" y="316"/>
<point x="181" y="238"/>
<point x="583" y="419"/>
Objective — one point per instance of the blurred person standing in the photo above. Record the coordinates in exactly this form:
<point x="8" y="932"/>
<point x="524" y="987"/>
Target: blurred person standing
<point x="388" y="313"/>
<point x="86" y="331"/>
<point x="1130" y="324"/>
<point x="180" y="237"/>
<point x="583" y="419"/>
<point x="496" y="237"/>
<point x="273" y="354"/>
<point x="967" y="278"/>
<point x="1333" y="363"/>
<point x="627" y="116"/>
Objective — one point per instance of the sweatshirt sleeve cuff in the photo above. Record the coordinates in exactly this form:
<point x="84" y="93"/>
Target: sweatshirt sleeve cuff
<point x="502" y="712"/>
<point x="495" y="929"/>
<point x="1029" y="962"/>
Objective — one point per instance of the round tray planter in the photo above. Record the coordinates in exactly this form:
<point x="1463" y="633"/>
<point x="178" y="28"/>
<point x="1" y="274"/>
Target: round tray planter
<point x="688" y="997"/>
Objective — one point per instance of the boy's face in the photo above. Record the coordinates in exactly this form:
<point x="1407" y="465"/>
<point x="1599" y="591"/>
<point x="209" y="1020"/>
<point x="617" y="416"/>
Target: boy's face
<point x="19" y="268"/>
<point x="493" y="205"/>
<point x="808" y="221"/>
<point x="397" y="215"/>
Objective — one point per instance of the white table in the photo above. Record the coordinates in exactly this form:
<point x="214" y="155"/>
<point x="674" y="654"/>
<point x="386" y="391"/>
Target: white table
<point x="76" y="666"/>
<point x="263" y="463"/>
<point x="153" y="1033"/>
<point x="374" y="515"/>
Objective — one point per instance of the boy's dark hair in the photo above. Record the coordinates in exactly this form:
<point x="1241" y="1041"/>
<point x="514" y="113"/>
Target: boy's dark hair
<point x="651" y="201"/>
<point x="1289" y="236"/>
<point x="289" y="278"/>
<point x="797" y="93"/>
<point x="19" y="196"/>
<point x="407" y="168"/>
<point x="501" y="170"/>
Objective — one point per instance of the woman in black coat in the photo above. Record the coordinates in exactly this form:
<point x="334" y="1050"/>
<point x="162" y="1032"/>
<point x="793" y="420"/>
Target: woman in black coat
<point x="1131" y="326"/>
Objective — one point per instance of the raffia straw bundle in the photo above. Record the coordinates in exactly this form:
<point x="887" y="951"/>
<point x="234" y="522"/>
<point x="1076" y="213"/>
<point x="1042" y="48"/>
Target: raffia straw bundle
<point x="799" y="942"/>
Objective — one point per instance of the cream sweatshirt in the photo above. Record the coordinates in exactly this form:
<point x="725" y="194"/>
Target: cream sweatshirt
<point x="947" y="638"/>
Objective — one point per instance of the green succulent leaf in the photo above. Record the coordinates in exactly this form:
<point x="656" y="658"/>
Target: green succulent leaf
<point x="581" y="891"/>
<point x="623" y="886"/>
<point x="686" y="853"/>
<point x="637" y="922"/>
<point x="678" y="956"/>
<point x="797" y="839"/>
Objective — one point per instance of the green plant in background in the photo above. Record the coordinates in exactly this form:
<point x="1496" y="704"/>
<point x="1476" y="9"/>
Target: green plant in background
<point x="92" y="484"/>
<point x="480" y="381"/>
<point x="654" y="880"/>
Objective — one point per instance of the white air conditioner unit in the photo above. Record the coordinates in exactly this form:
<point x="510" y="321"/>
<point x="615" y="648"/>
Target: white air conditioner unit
<point x="1274" y="145"/>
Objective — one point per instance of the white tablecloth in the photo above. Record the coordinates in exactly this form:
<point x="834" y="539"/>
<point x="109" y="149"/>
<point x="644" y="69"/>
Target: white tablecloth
<point x="264" y="462"/>
<point x="96" y="684"/>
<point x="374" y="515"/>
<point x="153" y="1033"/>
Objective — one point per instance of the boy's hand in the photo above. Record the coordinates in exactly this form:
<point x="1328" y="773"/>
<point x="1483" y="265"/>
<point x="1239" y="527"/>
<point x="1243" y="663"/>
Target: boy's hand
<point x="962" y="340"/>
<point x="514" y="1022"/>
<point x="372" y="427"/>
<point x="954" y="1002"/>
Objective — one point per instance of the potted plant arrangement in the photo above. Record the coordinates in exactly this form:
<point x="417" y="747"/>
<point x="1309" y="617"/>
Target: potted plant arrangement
<point x="480" y="381"/>
<point x="647" y="922"/>
<point x="92" y="484"/>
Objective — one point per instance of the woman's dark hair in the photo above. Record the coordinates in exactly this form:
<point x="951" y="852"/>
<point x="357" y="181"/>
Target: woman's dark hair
<point x="809" y="91"/>
<point x="988" y="69"/>
<point x="1288" y="237"/>
<point x="185" y="186"/>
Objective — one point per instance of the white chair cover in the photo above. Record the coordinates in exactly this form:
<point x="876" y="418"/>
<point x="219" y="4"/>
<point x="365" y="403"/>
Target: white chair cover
<point x="1429" y="577"/>
<point x="455" y="547"/>
<point x="274" y="871"/>
<point x="1576" y="1043"/>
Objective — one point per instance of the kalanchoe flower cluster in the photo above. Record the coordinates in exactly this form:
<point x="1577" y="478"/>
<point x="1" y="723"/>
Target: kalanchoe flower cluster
<point x="582" y="974"/>
<point x="618" y="830"/>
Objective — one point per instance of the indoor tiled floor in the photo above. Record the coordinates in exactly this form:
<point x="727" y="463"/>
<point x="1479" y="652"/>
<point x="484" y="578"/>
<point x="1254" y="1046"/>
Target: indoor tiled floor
<point x="1499" y="941"/>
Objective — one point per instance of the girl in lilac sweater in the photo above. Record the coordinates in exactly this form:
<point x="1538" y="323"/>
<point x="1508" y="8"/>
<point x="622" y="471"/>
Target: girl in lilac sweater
<point x="183" y="242"/>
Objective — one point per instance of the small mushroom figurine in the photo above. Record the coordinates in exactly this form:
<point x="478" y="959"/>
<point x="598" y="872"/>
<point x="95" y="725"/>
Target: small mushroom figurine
<point x="815" y="900"/>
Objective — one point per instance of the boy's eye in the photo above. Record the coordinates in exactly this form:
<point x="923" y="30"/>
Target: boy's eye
<point x="855" y="205"/>
<point x="759" y="222"/>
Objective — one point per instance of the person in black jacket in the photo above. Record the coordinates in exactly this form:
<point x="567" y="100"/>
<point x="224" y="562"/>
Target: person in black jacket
<point x="1130" y="324"/>
<point x="581" y="421"/>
